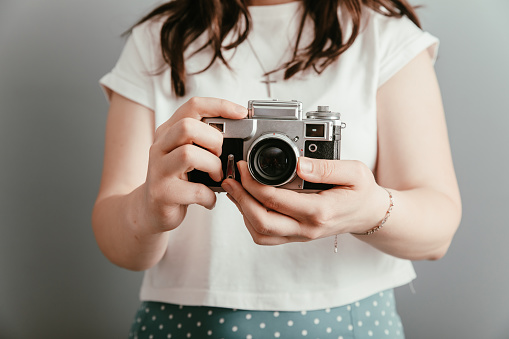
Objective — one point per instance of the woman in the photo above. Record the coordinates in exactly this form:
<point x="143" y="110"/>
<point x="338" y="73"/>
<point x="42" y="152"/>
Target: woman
<point x="395" y="197"/>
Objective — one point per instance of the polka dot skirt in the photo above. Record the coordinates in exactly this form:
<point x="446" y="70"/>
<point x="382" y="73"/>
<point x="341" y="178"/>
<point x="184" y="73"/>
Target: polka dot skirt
<point x="373" y="317"/>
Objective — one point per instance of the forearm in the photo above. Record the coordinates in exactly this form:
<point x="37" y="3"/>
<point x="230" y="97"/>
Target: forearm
<point x="118" y="225"/>
<point x="421" y="226"/>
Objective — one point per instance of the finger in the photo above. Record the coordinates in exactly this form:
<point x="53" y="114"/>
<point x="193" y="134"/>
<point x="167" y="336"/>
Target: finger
<point x="188" y="193"/>
<point x="259" y="238"/>
<point x="263" y="221"/>
<point x="189" y="131"/>
<point x="262" y="239"/>
<point x="198" y="108"/>
<point x="300" y="206"/>
<point x="336" y="172"/>
<point x="266" y="240"/>
<point x="189" y="157"/>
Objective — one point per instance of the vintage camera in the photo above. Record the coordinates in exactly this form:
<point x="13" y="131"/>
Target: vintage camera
<point x="271" y="139"/>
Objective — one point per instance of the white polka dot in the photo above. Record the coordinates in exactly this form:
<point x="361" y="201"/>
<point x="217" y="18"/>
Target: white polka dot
<point x="235" y="329"/>
<point x="359" y="323"/>
<point x="350" y="327"/>
<point x="143" y="328"/>
<point x="386" y="332"/>
<point x="221" y="321"/>
<point x="276" y="314"/>
<point x="209" y="332"/>
<point x="189" y="335"/>
<point x="357" y="304"/>
<point x="153" y="318"/>
<point x="147" y="310"/>
<point x="377" y="323"/>
<point x="181" y="306"/>
<point x="209" y="312"/>
<point x="249" y="336"/>
<point x="170" y="316"/>
<point x="348" y="308"/>
<point x="262" y="325"/>
<point x="248" y="316"/>
<point x="381" y="294"/>
<point x="179" y="326"/>
<point x="303" y="312"/>
<point x="339" y="318"/>
<point x="398" y="332"/>
<point x="368" y="313"/>
<point x="290" y="323"/>
<point x="138" y="320"/>
<point x="162" y="308"/>
<point x="316" y="321"/>
<point x="375" y="303"/>
<point x="304" y="333"/>
<point x="277" y="335"/>
<point x="329" y="330"/>
<point x="189" y="315"/>
<point x="198" y="324"/>
<point x="340" y="337"/>
<point x="168" y="336"/>
<point x="388" y="304"/>
<point x="370" y="333"/>
<point x="151" y="336"/>
<point x="383" y="313"/>
<point x="327" y="310"/>
<point x="390" y="322"/>
<point x="161" y="326"/>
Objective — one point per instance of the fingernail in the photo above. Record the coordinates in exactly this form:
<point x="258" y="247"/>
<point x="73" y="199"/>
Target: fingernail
<point x="227" y="187"/>
<point x="305" y="166"/>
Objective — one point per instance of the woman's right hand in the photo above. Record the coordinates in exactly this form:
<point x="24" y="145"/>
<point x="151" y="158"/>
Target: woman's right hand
<point x="181" y="144"/>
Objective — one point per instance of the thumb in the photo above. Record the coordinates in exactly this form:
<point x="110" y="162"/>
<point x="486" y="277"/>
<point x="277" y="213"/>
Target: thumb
<point x="336" y="172"/>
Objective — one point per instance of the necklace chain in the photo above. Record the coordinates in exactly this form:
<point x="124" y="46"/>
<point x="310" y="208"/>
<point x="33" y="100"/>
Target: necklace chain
<point x="267" y="81"/>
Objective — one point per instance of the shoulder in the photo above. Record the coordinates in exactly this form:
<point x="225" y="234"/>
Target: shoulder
<point x="387" y="27"/>
<point x="148" y="32"/>
<point x="393" y="42"/>
<point x="145" y="43"/>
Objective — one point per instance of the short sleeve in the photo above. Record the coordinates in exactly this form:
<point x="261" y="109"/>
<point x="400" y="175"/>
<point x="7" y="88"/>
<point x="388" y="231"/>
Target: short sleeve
<point x="132" y="76"/>
<point x="400" y="41"/>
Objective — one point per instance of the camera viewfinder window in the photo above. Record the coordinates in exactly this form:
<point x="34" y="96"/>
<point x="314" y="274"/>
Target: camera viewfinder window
<point x="315" y="130"/>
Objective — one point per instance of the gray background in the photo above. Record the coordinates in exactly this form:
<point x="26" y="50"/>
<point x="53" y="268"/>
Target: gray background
<point x="55" y="283"/>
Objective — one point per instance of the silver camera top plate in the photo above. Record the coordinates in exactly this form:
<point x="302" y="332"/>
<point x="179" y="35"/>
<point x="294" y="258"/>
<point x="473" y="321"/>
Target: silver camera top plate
<point x="274" y="109"/>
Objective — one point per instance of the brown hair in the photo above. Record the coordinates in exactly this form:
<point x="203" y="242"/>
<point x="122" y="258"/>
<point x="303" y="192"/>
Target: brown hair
<point x="186" y="20"/>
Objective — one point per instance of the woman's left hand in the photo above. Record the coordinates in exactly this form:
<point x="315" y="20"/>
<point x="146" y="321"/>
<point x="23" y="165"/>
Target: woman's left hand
<point x="276" y="216"/>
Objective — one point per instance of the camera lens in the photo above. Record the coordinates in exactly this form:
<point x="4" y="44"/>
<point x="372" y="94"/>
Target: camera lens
<point x="273" y="160"/>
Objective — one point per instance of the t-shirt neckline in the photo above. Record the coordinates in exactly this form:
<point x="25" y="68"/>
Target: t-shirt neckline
<point x="279" y="11"/>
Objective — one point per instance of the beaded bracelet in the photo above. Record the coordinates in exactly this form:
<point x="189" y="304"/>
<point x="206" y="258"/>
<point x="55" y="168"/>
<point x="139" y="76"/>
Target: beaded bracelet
<point x="377" y="227"/>
<point x="384" y="220"/>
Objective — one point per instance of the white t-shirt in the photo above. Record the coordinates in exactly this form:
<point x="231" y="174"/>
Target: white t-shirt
<point x="211" y="258"/>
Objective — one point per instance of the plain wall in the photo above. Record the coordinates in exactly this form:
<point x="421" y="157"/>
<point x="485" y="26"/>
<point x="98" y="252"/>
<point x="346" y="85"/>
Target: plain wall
<point x="55" y="283"/>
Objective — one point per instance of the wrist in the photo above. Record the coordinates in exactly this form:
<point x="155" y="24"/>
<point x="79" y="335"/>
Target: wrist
<point x="139" y="217"/>
<point x="380" y="223"/>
